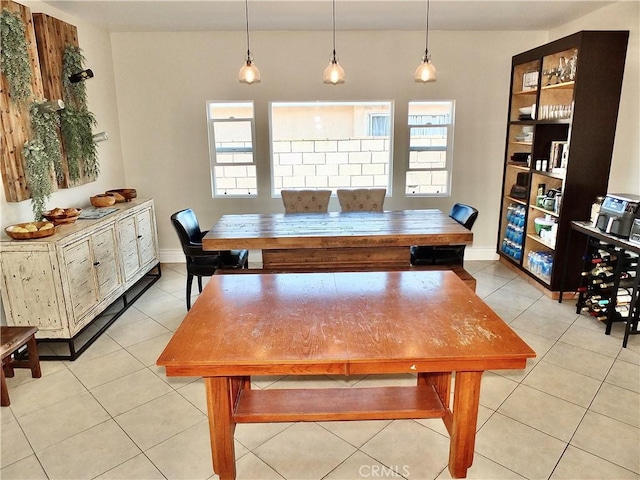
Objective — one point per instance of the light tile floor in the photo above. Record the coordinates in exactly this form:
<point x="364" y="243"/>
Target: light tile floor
<point x="574" y="413"/>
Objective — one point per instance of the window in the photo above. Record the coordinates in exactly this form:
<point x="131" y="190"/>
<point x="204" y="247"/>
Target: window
<point x="231" y="133"/>
<point x="430" y="148"/>
<point x="330" y="145"/>
<point x="379" y="125"/>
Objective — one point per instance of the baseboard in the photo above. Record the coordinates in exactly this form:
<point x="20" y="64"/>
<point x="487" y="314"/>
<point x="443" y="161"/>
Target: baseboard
<point x="471" y="253"/>
<point x="173" y="255"/>
<point x="480" y="253"/>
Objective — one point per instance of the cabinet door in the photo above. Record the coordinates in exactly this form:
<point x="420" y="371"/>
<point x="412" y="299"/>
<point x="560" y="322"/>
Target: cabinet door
<point x="105" y="262"/>
<point x="83" y="291"/>
<point x="128" y="247"/>
<point x="31" y="290"/>
<point x="146" y="241"/>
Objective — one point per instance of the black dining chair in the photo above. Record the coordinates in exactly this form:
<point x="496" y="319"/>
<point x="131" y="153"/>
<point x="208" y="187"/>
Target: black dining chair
<point x="446" y="254"/>
<point x="201" y="263"/>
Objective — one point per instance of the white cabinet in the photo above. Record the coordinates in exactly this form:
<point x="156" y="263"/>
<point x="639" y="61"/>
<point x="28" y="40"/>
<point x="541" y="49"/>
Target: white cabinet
<point x="91" y="267"/>
<point x="138" y="243"/>
<point x="62" y="283"/>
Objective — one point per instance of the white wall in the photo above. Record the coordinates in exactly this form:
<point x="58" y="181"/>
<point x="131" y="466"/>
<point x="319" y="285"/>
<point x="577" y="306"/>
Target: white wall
<point x="101" y="92"/>
<point x="625" y="167"/>
<point x="164" y="80"/>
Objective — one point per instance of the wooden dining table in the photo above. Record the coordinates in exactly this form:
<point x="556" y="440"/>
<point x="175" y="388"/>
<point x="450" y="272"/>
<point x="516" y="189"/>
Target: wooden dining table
<point x="425" y="323"/>
<point x="335" y="240"/>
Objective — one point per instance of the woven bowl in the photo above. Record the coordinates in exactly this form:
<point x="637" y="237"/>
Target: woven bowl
<point x="67" y="216"/>
<point x="103" y="200"/>
<point x="126" y="193"/>
<point x="29" y="235"/>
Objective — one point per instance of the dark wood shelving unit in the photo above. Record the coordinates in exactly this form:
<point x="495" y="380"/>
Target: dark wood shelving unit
<point x="581" y="111"/>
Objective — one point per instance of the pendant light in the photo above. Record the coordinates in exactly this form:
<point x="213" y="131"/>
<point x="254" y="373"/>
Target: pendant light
<point x="334" y="73"/>
<point x="249" y="73"/>
<point x="426" y="71"/>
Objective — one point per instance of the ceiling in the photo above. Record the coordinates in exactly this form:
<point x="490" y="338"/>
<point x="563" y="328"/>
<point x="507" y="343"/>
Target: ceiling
<point x="207" y="15"/>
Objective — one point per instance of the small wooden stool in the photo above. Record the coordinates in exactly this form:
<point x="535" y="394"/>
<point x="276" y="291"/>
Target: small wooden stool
<point x="12" y="339"/>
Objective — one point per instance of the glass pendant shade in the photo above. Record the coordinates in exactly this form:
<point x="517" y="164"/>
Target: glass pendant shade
<point x="249" y="73"/>
<point x="426" y="72"/>
<point x="334" y="73"/>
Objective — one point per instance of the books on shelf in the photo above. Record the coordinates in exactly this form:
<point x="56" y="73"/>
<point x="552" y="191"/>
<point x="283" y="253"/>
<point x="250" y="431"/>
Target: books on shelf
<point x="558" y="155"/>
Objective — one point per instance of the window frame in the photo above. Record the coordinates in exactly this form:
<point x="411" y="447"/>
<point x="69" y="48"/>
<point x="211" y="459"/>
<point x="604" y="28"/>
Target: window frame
<point x="275" y="190"/>
<point x="448" y="167"/>
<point x="213" y="151"/>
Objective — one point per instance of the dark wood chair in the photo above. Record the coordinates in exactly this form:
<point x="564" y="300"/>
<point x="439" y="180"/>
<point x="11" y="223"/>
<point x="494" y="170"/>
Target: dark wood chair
<point x="201" y="263"/>
<point x="446" y="254"/>
<point x="13" y="339"/>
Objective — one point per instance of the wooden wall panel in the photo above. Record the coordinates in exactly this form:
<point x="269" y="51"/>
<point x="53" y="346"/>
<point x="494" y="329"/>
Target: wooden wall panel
<point x="14" y="119"/>
<point x="52" y="36"/>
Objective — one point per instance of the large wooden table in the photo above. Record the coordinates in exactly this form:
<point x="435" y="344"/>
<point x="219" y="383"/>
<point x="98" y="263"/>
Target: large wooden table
<point x="335" y="240"/>
<point x="349" y="323"/>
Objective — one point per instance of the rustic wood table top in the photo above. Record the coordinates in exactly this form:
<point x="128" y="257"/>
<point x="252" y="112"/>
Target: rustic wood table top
<point x="397" y="228"/>
<point x="340" y="323"/>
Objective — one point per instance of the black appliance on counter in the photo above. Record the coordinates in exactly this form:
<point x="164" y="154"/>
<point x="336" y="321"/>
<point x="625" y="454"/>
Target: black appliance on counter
<point x="617" y="213"/>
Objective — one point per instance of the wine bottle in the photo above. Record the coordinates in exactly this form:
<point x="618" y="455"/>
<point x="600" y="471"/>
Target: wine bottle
<point x="597" y="270"/>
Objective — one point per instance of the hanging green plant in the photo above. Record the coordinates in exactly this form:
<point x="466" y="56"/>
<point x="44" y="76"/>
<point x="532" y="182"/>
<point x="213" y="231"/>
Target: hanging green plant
<point x="14" y="56"/>
<point x="76" y="120"/>
<point x="78" y="142"/>
<point x="37" y="170"/>
<point x="45" y="125"/>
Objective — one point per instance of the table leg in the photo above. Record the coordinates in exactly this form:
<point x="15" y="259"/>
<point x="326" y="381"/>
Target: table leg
<point x="441" y="381"/>
<point x="34" y="360"/>
<point x="466" y="399"/>
<point x="4" y="400"/>
<point x="221" y="426"/>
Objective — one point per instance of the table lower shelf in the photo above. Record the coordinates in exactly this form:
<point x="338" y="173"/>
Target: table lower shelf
<point x="331" y="404"/>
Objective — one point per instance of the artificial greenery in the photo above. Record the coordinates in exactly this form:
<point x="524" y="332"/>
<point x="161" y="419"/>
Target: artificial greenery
<point x="76" y="120"/>
<point x="14" y="55"/>
<point x="45" y="125"/>
<point x="73" y="62"/>
<point x="38" y="169"/>
<point x="78" y="142"/>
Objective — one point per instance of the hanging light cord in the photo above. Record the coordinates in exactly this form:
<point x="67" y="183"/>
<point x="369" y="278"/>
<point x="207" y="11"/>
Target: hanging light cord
<point x="426" y="40"/>
<point x="246" y="16"/>
<point x="334" y="31"/>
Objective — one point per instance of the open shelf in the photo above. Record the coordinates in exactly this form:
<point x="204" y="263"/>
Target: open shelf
<point x="546" y="212"/>
<point x="562" y="85"/>
<point x="379" y="403"/>
<point x="571" y="159"/>
<point x="536" y="238"/>
<point x="526" y="92"/>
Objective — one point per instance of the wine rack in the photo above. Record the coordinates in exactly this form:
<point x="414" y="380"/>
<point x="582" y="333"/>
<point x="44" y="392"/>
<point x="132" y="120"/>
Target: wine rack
<point x="609" y="289"/>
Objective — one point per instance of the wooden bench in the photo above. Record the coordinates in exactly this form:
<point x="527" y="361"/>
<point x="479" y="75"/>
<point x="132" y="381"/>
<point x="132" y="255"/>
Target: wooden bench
<point x="13" y="338"/>
<point x="465" y="276"/>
